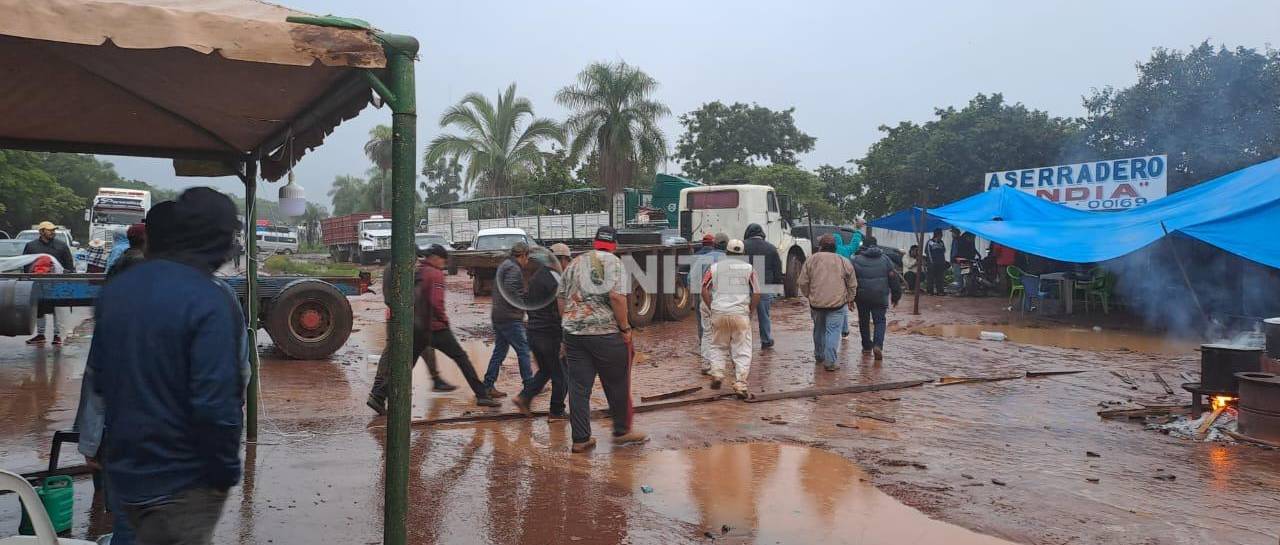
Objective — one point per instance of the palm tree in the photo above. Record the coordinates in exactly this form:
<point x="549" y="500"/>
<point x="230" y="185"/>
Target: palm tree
<point x="349" y="194"/>
<point x="499" y="142"/>
<point x="378" y="150"/>
<point x="615" y="116"/>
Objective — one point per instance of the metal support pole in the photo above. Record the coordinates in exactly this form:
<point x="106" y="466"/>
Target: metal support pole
<point x="251" y="294"/>
<point x="1185" y="279"/>
<point x="401" y="51"/>
<point x="920" y="280"/>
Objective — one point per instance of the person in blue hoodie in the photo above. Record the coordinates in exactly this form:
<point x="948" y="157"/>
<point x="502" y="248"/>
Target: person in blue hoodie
<point x="167" y="358"/>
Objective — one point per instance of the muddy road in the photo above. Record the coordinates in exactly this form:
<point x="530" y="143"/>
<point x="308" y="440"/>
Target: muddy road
<point x="981" y="463"/>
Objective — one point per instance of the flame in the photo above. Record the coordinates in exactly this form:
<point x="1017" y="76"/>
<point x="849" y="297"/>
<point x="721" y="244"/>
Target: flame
<point x="1220" y="402"/>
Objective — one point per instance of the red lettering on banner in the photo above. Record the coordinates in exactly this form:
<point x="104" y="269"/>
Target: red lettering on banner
<point x="1077" y="193"/>
<point x="1051" y="194"/>
<point x="1124" y="190"/>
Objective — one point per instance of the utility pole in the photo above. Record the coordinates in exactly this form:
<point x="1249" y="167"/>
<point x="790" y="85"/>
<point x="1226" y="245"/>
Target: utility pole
<point x="919" y="225"/>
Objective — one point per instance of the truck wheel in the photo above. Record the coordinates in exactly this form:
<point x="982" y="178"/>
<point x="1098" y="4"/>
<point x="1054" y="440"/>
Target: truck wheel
<point x="643" y="305"/>
<point x="677" y="306"/>
<point x="790" y="282"/>
<point x="309" y="320"/>
<point x="481" y="286"/>
<point x="19" y="301"/>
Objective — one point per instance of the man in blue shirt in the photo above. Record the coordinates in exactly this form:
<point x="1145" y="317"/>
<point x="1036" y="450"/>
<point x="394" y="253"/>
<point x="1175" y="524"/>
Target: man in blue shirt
<point x="167" y="359"/>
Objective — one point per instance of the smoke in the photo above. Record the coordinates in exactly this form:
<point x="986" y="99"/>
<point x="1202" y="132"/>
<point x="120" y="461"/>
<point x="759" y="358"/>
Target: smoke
<point x="1227" y="298"/>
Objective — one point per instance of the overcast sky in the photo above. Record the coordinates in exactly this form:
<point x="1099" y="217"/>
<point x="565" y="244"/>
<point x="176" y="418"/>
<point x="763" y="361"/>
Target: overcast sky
<point x="847" y="67"/>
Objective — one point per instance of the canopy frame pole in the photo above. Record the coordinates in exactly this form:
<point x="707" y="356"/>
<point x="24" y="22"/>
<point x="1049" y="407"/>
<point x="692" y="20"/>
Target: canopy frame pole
<point x="401" y="52"/>
<point x="919" y="228"/>
<point x="250" y="179"/>
<point x="1182" y="269"/>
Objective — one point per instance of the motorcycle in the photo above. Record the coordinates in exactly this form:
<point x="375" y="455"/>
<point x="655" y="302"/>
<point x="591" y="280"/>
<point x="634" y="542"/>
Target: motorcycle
<point x="979" y="276"/>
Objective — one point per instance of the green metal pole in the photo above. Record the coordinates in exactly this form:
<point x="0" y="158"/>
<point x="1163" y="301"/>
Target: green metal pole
<point x="251" y="294"/>
<point x="401" y="51"/>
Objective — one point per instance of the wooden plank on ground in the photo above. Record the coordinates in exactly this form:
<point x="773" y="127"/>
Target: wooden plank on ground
<point x="1146" y="410"/>
<point x="948" y="381"/>
<point x="669" y="395"/>
<point x="1051" y="373"/>
<point x="835" y="390"/>
<point x="1162" y="382"/>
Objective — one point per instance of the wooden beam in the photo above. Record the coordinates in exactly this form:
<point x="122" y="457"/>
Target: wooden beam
<point x="669" y="395"/>
<point x="836" y="390"/>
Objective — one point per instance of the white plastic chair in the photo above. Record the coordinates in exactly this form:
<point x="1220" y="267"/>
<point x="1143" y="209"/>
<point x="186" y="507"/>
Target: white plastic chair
<point x="12" y="482"/>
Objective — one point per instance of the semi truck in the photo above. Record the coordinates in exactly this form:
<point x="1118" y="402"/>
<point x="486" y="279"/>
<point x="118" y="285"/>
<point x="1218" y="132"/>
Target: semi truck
<point x="361" y="238"/>
<point x="115" y="209"/>
<point x="729" y="209"/>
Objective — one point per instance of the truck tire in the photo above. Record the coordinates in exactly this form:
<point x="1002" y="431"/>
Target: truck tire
<point x="790" y="282"/>
<point x="480" y="286"/>
<point x="309" y="319"/>
<point x="676" y="306"/>
<point x="19" y="301"/>
<point x="642" y="305"/>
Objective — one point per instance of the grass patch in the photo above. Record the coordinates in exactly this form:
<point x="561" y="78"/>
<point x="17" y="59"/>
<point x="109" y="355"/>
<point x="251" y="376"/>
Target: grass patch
<point x="279" y="264"/>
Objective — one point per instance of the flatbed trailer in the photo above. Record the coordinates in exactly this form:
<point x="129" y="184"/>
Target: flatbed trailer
<point x="307" y="317"/>
<point x="646" y="306"/>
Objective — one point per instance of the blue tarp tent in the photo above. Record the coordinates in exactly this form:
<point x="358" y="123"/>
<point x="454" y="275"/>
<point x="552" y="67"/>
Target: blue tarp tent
<point x="1238" y="212"/>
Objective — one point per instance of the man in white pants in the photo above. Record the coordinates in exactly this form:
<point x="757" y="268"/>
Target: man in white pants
<point x="730" y="292"/>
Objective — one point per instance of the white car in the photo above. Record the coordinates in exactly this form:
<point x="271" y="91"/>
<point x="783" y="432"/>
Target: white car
<point x="425" y="240"/>
<point x="499" y="238"/>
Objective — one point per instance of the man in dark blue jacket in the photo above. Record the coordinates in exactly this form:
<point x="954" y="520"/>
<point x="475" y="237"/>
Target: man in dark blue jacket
<point x="167" y="356"/>
<point x="760" y="249"/>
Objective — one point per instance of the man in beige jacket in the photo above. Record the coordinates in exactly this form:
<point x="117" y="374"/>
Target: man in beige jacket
<point x="828" y="281"/>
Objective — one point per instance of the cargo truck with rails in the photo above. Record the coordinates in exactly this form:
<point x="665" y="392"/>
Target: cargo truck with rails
<point x="360" y="238"/>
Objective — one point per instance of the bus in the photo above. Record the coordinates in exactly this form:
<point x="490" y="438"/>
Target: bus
<point x="277" y="239"/>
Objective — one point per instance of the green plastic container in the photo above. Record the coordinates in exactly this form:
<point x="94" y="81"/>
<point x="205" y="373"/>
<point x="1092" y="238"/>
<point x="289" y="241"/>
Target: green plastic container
<point x="58" y="496"/>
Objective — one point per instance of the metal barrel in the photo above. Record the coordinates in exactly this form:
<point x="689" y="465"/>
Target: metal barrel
<point x="19" y="301"/>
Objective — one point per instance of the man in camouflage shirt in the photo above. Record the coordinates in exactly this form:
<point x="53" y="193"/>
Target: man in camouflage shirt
<point x="597" y="340"/>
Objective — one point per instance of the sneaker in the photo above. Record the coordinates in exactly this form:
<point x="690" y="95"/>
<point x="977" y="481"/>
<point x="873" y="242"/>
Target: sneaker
<point x="38" y="339"/>
<point x="741" y="390"/>
<point x="830" y="366"/>
<point x="57" y="341"/>
<point x="439" y="385"/>
<point x="378" y="404"/>
<point x="495" y="393"/>
<point x="522" y="405"/>
<point x="579" y="448"/>
<point x="764" y="346"/>
<point x="487" y="402"/>
<point x="630" y="438"/>
<point x="715" y="383"/>
<point x="879" y="353"/>
<point x="557" y="417"/>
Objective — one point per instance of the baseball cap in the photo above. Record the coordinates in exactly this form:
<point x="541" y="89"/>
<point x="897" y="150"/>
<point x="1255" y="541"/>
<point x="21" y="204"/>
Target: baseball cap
<point x="708" y="238"/>
<point x="561" y="249"/>
<point x="721" y="238"/>
<point x="46" y="225"/>
<point x="437" y="250"/>
<point x="735" y="246"/>
<point x="607" y="233"/>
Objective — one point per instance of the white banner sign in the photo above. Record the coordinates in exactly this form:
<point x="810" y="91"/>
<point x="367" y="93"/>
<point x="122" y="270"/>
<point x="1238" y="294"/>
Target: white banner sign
<point x="1120" y="184"/>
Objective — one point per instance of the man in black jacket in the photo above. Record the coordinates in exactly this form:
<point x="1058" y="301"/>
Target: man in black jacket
<point x="878" y="283"/>
<point x="509" y="300"/>
<point x="545" y="332"/>
<point x="756" y="245"/>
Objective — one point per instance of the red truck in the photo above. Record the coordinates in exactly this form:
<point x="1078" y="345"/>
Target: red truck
<point x="363" y="237"/>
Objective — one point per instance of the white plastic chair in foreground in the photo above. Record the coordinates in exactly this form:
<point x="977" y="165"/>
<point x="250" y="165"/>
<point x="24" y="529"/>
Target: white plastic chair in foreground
<point x="39" y="518"/>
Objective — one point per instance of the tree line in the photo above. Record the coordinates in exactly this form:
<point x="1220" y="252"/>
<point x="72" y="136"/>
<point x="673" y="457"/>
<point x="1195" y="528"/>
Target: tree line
<point x="1210" y="109"/>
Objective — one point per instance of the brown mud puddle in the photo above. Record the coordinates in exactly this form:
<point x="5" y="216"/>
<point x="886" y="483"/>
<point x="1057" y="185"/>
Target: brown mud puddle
<point x="779" y="493"/>
<point x="1069" y="337"/>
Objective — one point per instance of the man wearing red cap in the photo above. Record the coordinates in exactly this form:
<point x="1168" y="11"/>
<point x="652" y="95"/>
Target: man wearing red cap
<point x="597" y="340"/>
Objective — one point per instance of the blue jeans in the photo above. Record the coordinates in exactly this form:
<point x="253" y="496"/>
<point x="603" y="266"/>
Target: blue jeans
<point x="866" y="313"/>
<point x="762" y="315"/>
<point x="826" y="333"/>
<point x="509" y="335"/>
<point x="844" y="323"/>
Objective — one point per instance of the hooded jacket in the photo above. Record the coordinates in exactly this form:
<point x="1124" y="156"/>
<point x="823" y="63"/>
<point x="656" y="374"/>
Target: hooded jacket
<point x="877" y="278"/>
<point x="167" y="357"/>
<point x="756" y="245"/>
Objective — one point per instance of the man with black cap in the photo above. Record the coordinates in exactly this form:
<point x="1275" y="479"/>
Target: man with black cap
<point x="763" y="253"/>
<point x="597" y="339"/>
<point x="428" y="298"/>
<point x="167" y="356"/>
<point x="509" y="332"/>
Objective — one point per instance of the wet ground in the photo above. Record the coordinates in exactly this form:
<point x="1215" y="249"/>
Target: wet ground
<point x="965" y="463"/>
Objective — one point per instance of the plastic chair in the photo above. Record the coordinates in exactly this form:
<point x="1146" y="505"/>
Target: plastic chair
<point x="12" y="482"/>
<point x="1100" y="289"/>
<point x="1015" y="282"/>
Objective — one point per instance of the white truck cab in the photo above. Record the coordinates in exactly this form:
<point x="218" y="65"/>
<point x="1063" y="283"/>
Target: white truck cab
<point x="729" y="209"/>
<point x="375" y="239"/>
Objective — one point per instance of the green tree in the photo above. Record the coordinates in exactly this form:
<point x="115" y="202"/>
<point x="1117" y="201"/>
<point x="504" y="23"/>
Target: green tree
<point x="615" y="116"/>
<point x="717" y="135"/>
<point x="840" y="188"/>
<point x="443" y="183"/>
<point x="378" y="150"/>
<point x="349" y="194"/>
<point x="498" y="141"/>
<point x="1212" y="110"/>
<point x="805" y="189"/>
<point x="29" y="194"/>
<point x="553" y="173"/>
<point x="944" y="159"/>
